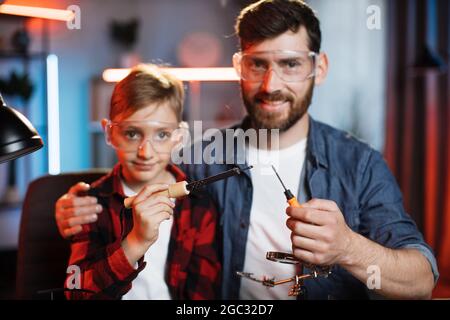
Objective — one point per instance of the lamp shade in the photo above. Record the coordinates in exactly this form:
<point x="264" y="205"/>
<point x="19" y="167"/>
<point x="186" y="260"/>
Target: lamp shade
<point x="18" y="137"/>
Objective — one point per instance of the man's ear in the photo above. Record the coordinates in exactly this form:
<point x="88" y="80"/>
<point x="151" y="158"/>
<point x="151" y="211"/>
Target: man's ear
<point x="321" y="68"/>
<point x="236" y="63"/>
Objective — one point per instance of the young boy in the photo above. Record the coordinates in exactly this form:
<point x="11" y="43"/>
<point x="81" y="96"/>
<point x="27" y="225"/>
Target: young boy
<point x="176" y="239"/>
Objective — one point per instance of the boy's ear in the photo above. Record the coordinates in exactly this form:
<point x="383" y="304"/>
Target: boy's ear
<point x="321" y="69"/>
<point x="104" y="122"/>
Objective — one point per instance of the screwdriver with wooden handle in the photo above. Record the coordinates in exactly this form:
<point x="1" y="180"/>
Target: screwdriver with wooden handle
<point x="291" y="199"/>
<point x="183" y="188"/>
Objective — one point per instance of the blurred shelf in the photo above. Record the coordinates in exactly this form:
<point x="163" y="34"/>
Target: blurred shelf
<point x="6" y="206"/>
<point x="95" y="127"/>
<point x="11" y="17"/>
<point x="9" y="226"/>
<point x="19" y="55"/>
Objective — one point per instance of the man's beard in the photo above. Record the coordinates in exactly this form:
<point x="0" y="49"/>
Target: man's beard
<point x="262" y="119"/>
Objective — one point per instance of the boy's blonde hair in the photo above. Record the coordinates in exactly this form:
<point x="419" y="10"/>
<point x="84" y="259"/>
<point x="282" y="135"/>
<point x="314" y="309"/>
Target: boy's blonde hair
<point x="146" y="84"/>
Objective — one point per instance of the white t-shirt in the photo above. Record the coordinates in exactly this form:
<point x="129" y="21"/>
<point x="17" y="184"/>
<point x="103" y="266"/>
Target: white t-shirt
<point x="150" y="283"/>
<point x="268" y="230"/>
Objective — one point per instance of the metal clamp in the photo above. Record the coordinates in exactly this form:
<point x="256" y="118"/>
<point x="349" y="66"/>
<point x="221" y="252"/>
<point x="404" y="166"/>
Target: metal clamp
<point x="298" y="288"/>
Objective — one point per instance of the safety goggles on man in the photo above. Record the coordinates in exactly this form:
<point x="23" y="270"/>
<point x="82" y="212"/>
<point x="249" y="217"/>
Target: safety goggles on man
<point x="130" y="136"/>
<point x="290" y="66"/>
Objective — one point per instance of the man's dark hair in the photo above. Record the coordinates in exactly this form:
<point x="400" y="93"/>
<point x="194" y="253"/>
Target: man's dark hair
<point x="267" y="19"/>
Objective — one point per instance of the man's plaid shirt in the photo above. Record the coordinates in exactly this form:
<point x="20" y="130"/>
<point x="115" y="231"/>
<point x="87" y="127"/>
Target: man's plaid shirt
<point x="193" y="269"/>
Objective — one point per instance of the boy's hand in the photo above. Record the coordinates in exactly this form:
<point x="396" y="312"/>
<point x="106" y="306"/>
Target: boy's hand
<point x="72" y="210"/>
<point x="149" y="210"/>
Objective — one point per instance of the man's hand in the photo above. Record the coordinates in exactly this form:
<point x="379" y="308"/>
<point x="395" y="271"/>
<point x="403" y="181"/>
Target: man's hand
<point x="320" y="235"/>
<point x="72" y="210"/>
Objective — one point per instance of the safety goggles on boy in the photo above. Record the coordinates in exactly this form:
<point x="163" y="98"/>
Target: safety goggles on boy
<point x="290" y="66"/>
<point x="130" y="136"/>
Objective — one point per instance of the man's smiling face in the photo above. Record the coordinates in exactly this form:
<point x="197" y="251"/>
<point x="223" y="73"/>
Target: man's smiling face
<point x="274" y="103"/>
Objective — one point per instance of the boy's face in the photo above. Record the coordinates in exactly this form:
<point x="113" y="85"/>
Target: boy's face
<point x="143" y="142"/>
